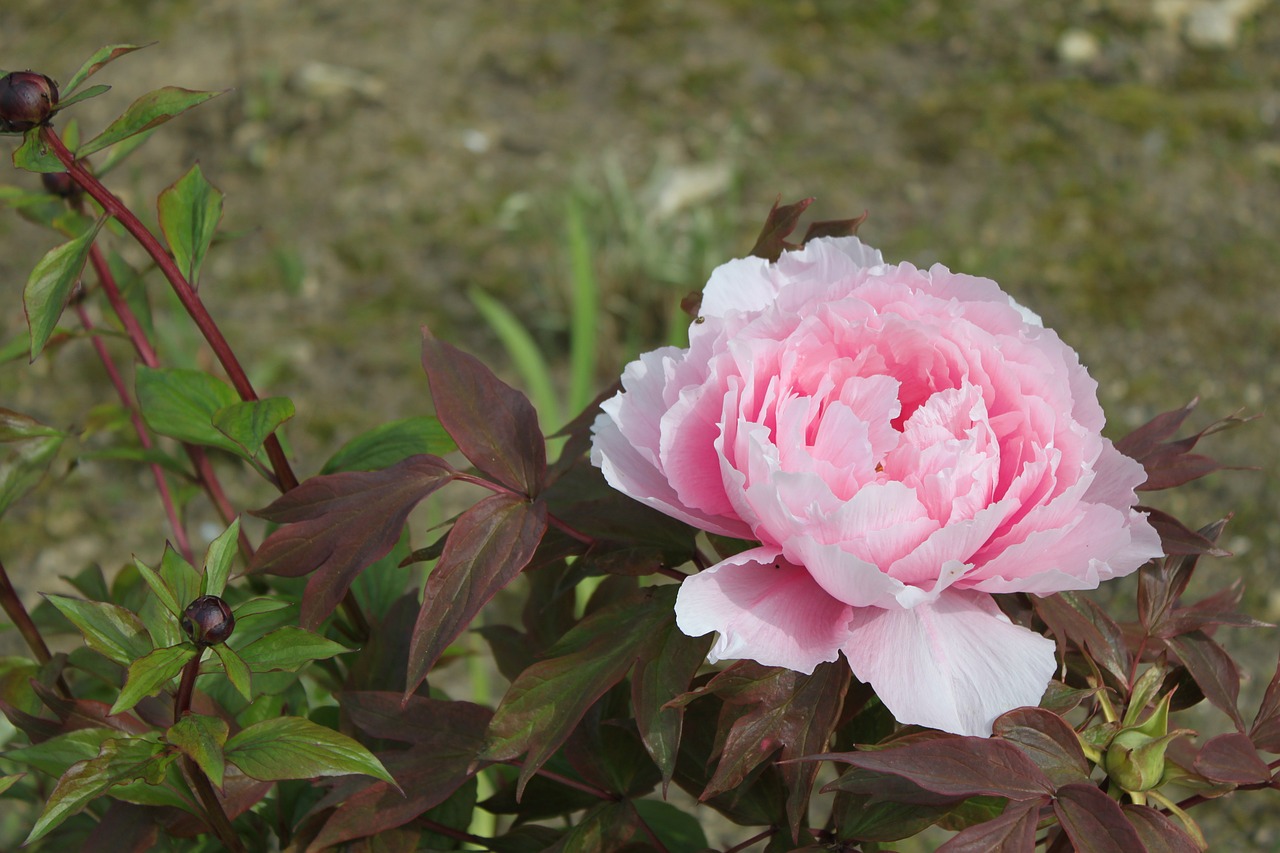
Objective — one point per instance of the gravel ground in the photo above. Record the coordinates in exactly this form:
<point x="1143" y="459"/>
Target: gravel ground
<point x="1115" y="164"/>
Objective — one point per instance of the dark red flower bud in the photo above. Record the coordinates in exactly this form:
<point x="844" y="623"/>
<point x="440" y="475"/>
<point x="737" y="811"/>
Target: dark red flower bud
<point x="208" y="621"/>
<point x="60" y="184"/>
<point x="27" y="99"/>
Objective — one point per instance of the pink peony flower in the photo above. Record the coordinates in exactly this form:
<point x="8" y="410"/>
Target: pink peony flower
<point x="902" y="444"/>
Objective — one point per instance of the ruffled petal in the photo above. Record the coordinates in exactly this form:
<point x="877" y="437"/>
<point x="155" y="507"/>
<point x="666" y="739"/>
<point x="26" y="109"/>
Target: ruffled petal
<point x="954" y="665"/>
<point x="765" y="609"/>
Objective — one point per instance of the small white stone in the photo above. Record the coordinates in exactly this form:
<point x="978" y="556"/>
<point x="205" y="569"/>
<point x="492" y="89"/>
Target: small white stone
<point x="1078" y="47"/>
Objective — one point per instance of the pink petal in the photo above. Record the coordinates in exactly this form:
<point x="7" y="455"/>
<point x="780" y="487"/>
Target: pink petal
<point x="954" y="665"/>
<point x="765" y="609"/>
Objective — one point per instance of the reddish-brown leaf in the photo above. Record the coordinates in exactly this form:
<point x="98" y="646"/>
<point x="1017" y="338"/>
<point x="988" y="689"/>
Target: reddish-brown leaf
<point x="1218" y="609"/>
<point x="1159" y="832"/>
<point x="337" y="525"/>
<point x="1154" y="432"/>
<point x="488" y="547"/>
<point x="789" y="711"/>
<point x="1233" y="758"/>
<point x="1265" y="730"/>
<point x="1048" y="741"/>
<point x="1176" y="538"/>
<point x="493" y="424"/>
<point x="1093" y="821"/>
<point x="958" y="767"/>
<point x="446" y="737"/>
<point x="1160" y="584"/>
<point x="1012" y="832"/>
<point x="782" y="220"/>
<point x="1079" y="620"/>
<point x="833" y="228"/>
<point x="1213" y="670"/>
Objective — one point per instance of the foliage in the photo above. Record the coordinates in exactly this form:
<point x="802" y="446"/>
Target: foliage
<point x="324" y="713"/>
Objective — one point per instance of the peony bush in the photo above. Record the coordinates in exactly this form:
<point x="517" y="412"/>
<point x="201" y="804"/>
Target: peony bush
<point x="880" y="491"/>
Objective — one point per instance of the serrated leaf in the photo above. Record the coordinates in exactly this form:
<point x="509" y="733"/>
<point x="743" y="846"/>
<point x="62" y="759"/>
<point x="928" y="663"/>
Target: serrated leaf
<point x="201" y="738"/>
<point x="150" y="673"/>
<point x="190" y="210"/>
<point x="50" y="285"/>
<point x="247" y="424"/>
<point x="547" y="700"/>
<point x="94" y="63"/>
<point x="957" y="766"/>
<point x="24" y="465"/>
<point x="119" y="761"/>
<point x="389" y="443"/>
<point x="236" y="669"/>
<point x="1048" y="741"/>
<point x="494" y="425"/>
<point x="665" y="668"/>
<point x="1093" y="821"/>
<point x="218" y="559"/>
<point x="107" y="628"/>
<point x="294" y="748"/>
<point x="336" y="525"/>
<point x="1013" y="832"/>
<point x="488" y="547"/>
<point x="181" y="404"/>
<point x="287" y="649"/>
<point x="151" y="109"/>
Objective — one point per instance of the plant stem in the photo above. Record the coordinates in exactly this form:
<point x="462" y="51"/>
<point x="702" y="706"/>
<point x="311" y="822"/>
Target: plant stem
<point x="187" y="295"/>
<point x="214" y="813"/>
<point x="144" y="438"/>
<point x="768" y="833"/>
<point x="21" y="619"/>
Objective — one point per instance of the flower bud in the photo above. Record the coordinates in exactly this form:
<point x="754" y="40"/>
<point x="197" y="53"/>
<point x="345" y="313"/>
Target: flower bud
<point x="1135" y="756"/>
<point x="208" y="621"/>
<point x="60" y="184"/>
<point x="27" y="100"/>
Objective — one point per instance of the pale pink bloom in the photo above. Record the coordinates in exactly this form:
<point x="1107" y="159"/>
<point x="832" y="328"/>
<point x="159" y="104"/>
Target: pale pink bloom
<point x="902" y="444"/>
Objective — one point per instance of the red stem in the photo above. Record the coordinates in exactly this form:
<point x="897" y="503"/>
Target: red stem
<point x="144" y="438"/>
<point x="768" y="833"/>
<point x="21" y="619"/>
<point x="187" y="295"/>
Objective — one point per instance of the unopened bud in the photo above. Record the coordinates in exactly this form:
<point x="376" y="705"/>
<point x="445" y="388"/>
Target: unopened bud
<point x="208" y="621"/>
<point x="27" y="100"/>
<point x="60" y="184"/>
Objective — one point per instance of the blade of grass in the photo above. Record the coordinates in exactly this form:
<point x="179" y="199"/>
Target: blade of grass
<point x="524" y="353"/>
<point x="585" y="309"/>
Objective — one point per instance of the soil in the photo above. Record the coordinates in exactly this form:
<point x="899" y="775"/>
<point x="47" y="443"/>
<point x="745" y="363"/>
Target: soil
<point x="1114" y="164"/>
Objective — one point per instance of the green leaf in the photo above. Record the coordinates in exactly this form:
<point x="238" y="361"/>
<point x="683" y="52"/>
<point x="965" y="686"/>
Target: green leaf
<point x="548" y="699"/>
<point x="288" y="648"/>
<point x="55" y="755"/>
<point x="145" y="113"/>
<point x="50" y="285"/>
<point x="181" y="577"/>
<point x="217" y="560"/>
<point x="586" y="311"/>
<point x="107" y="628"/>
<point x="678" y="831"/>
<point x="35" y="446"/>
<point x="235" y="668"/>
<point x="91" y="92"/>
<point x="390" y="443"/>
<point x="93" y="64"/>
<point x="6" y="782"/>
<point x="190" y="210"/>
<point x="148" y="674"/>
<point x="665" y="668"/>
<point x="119" y="761"/>
<point x="294" y="748"/>
<point x="33" y="156"/>
<point x="201" y="738"/>
<point x="181" y="404"/>
<point x="248" y="424"/>
<point x="159" y="588"/>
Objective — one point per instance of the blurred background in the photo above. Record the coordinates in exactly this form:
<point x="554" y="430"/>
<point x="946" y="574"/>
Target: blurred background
<point x="488" y="167"/>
